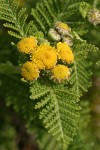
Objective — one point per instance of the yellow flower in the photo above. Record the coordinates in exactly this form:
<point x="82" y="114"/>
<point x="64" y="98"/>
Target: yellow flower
<point x="27" y="45"/>
<point x="29" y="71"/>
<point x="60" y="73"/>
<point x="62" y="28"/>
<point x="44" y="56"/>
<point x="64" y="52"/>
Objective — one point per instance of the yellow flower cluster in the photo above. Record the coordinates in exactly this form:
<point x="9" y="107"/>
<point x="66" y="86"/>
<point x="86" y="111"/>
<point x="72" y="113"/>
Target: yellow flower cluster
<point x="44" y="57"/>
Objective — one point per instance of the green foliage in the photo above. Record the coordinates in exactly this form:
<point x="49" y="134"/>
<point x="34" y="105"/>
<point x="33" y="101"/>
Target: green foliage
<point x="81" y="75"/>
<point x="84" y="8"/>
<point x="7" y="135"/>
<point x="9" y="68"/>
<point x="52" y="102"/>
<point x="44" y="16"/>
<point x="57" y="105"/>
<point x="15" y="19"/>
<point x="48" y="142"/>
<point x="81" y="141"/>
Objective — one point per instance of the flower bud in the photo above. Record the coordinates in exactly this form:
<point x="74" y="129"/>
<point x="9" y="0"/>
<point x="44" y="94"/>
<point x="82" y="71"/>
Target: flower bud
<point x="54" y="35"/>
<point x="67" y="40"/>
<point x="94" y="16"/>
<point x="62" y="28"/>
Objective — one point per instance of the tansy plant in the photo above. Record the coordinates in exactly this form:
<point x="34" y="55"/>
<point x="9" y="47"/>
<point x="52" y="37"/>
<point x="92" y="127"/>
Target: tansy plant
<point x="44" y="58"/>
<point x="54" y="60"/>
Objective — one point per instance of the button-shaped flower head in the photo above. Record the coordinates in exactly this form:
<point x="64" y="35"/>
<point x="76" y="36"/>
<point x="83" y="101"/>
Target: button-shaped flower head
<point x="27" y="44"/>
<point x="60" y="73"/>
<point x="62" y="28"/>
<point x="44" y="56"/>
<point x="29" y="71"/>
<point x="65" y="53"/>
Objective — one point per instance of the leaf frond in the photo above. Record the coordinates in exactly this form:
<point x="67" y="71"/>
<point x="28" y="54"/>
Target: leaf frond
<point x="9" y="11"/>
<point x="58" y="110"/>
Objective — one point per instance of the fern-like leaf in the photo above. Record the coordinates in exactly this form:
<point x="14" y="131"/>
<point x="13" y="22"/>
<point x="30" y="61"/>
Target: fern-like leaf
<point x="49" y="143"/>
<point x="58" y="109"/>
<point x="16" y="20"/>
<point x="44" y="15"/>
<point x="81" y="76"/>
